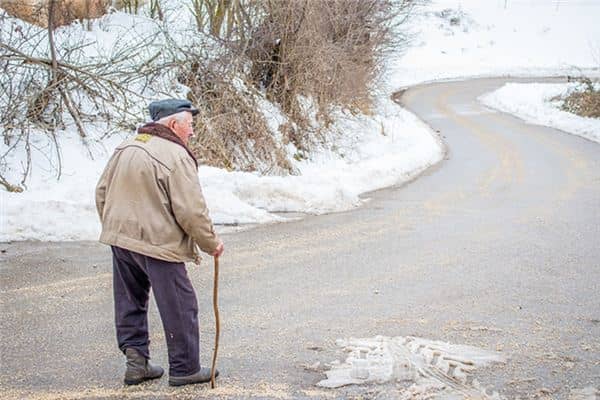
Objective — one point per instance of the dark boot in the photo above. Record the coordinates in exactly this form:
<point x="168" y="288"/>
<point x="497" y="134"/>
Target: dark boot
<point x="199" y="377"/>
<point x="139" y="368"/>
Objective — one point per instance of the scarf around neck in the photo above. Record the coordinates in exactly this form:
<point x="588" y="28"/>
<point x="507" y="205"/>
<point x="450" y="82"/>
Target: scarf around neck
<point x="152" y="128"/>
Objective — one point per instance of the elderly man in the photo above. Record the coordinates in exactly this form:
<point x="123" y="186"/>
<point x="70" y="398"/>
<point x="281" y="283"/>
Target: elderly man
<point x="153" y="216"/>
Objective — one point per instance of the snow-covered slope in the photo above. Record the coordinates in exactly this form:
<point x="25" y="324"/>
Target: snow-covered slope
<point x="462" y="38"/>
<point x="374" y="152"/>
<point x="473" y="38"/>
<point x="533" y="103"/>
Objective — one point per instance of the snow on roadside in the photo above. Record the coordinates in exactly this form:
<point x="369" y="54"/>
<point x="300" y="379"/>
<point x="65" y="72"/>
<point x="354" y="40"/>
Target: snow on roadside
<point x="372" y="153"/>
<point x="378" y="151"/>
<point x="532" y="103"/>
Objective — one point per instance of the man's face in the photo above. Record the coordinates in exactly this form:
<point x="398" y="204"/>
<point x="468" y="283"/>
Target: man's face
<point x="183" y="128"/>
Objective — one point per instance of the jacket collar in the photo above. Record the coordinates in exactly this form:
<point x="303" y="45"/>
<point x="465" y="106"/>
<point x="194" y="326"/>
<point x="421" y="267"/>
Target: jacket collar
<point x="155" y="129"/>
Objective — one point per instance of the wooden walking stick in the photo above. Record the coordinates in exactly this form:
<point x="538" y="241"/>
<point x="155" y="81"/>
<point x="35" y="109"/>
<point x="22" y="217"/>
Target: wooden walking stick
<point x="217" y="322"/>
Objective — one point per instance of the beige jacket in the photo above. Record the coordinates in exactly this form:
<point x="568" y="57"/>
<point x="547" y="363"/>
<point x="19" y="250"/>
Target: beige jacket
<point x="149" y="201"/>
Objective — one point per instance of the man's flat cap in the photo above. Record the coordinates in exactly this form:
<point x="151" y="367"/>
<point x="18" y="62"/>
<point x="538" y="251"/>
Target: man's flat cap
<point x="163" y="108"/>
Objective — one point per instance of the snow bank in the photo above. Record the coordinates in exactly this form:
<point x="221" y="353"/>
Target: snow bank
<point x="532" y="103"/>
<point x="373" y="153"/>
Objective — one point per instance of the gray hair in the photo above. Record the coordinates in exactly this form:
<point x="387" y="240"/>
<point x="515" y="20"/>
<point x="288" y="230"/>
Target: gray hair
<point x="177" y="116"/>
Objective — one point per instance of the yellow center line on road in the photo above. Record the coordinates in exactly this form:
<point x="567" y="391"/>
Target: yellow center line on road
<point x="575" y="165"/>
<point x="508" y="171"/>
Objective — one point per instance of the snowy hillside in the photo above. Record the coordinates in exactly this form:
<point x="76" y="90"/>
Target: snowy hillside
<point x="453" y="39"/>
<point x="462" y="38"/>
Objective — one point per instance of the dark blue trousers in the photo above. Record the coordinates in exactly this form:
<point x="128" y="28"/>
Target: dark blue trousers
<point x="133" y="275"/>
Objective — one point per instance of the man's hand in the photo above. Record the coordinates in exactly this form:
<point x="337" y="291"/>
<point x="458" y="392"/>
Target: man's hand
<point x="219" y="251"/>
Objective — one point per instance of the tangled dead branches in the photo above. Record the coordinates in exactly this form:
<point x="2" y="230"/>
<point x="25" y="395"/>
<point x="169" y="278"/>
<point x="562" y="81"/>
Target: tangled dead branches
<point x="48" y="84"/>
<point x="310" y="58"/>
<point x="329" y="51"/>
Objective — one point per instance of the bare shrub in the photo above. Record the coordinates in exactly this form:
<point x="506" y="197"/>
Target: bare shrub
<point x="330" y="51"/>
<point x="585" y="103"/>
<point x="221" y="18"/>
<point x="310" y="57"/>
<point x="231" y="130"/>
<point x="46" y="86"/>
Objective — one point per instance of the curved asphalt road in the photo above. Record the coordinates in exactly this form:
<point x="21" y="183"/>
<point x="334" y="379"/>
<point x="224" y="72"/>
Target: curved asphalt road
<point x="497" y="246"/>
